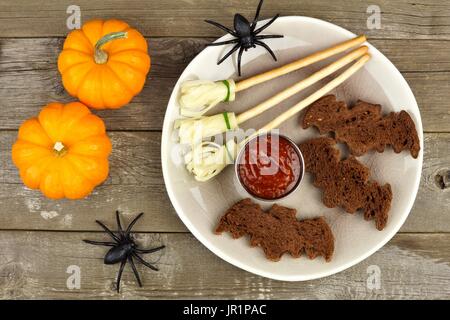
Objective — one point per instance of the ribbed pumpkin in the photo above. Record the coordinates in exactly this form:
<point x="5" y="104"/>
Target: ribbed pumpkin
<point x="104" y="64"/>
<point x="63" y="152"/>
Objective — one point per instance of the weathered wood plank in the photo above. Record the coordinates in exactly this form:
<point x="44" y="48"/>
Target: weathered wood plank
<point x="25" y="209"/>
<point x="135" y="184"/>
<point x="431" y="209"/>
<point x="26" y="92"/>
<point x="412" y="265"/>
<point x="169" y="55"/>
<point x="34" y="264"/>
<point x="422" y="19"/>
<point x="134" y="161"/>
<point x="29" y="80"/>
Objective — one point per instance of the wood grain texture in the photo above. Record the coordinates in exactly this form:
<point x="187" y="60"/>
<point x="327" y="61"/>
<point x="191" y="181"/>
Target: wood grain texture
<point x="135" y="184"/>
<point x="34" y="264"/>
<point x="40" y="238"/>
<point x="421" y="19"/>
<point x="29" y="79"/>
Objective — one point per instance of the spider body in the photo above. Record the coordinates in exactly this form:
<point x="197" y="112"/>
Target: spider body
<point x="244" y="32"/>
<point x="124" y="249"/>
<point x="119" y="253"/>
<point x="246" y="35"/>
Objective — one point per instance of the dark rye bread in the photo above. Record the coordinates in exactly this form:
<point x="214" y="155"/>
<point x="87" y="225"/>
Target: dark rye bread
<point x="345" y="183"/>
<point x="363" y="127"/>
<point x="278" y="231"/>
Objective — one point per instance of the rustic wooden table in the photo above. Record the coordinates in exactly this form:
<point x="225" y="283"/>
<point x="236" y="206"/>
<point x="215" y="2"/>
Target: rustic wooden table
<point x="40" y="239"/>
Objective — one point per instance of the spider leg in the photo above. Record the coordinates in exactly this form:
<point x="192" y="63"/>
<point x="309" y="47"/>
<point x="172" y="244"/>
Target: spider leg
<point x="266" y="25"/>
<point x="269" y="36"/>
<point x="108" y="231"/>
<point x="100" y="243"/>
<point x="119" y="225"/>
<point x="236" y="46"/>
<point x="144" y="251"/>
<point x="127" y="232"/>
<point x="241" y="50"/>
<point x="218" y="25"/>
<point x="223" y="42"/>
<point x="253" y="25"/>
<point x="136" y="274"/>
<point x="145" y="263"/>
<point x="119" y="275"/>
<point x="262" y="44"/>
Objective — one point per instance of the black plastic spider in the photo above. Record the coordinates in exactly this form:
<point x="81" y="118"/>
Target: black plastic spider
<point x="124" y="249"/>
<point x="246" y="35"/>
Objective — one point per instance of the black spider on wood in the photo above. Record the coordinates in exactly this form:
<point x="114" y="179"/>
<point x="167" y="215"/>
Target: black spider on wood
<point x="246" y="35"/>
<point x="124" y="249"/>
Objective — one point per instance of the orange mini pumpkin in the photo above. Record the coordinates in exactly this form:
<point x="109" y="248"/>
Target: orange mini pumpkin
<point x="104" y="64"/>
<point x="64" y="151"/>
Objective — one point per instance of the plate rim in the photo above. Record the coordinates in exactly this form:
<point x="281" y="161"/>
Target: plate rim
<point x="292" y="278"/>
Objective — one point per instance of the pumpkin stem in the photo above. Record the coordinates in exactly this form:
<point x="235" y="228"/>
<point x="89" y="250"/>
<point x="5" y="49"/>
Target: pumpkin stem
<point x="59" y="148"/>
<point x="101" y="56"/>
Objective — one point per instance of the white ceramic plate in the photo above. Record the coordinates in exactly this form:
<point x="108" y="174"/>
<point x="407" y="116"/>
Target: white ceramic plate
<point x="200" y="205"/>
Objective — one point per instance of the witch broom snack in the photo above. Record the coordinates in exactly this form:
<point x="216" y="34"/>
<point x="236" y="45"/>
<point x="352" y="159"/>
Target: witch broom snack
<point x="207" y="159"/>
<point x="193" y="130"/>
<point x="199" y="96"/>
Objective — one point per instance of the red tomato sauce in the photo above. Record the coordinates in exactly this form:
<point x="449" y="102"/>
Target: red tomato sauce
<point x="269" y="167"/>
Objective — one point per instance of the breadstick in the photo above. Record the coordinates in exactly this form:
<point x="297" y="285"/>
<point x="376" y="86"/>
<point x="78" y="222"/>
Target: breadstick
<point x="319" y="75"/>
<point x="316" y="95"/>
<point x="303" y="62"/>
<point x="207" y="126"/>
<point x="208" y="159"/>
